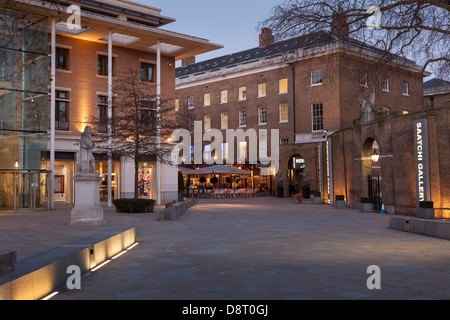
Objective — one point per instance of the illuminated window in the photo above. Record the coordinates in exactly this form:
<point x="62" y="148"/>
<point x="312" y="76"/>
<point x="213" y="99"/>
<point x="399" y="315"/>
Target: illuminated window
<point x="207" y="122"/>
<point x="283" y="112"/>
<point x="224" y="96"/>
<point x="177" y="104"/>
<point x="62" y="110"/>
<point x="283" y="85"/>
<point x="224" y="151"/>
<point x="261" y="89"/>
<point x="242" y="93"/>
<point x="206" y="99"/>
<point x="224" y="120"/>
<point x="242" y="151"/>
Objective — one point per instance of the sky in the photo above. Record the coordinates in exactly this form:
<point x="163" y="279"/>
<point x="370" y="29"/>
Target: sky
<point x="230" y="23"/>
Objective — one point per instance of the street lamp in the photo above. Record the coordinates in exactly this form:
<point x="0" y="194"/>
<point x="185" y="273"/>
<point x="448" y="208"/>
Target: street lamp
<point x="375" y="156"/>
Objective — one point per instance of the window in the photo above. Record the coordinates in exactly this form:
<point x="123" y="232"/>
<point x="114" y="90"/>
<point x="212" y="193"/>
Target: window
<point x="207" y="153"/>
<point x="283" y="112"/>
<point x="317" y="117"/>
<point x="62" y="58"/>
<point x="242" y="151"/>
<point x="224" y="96"/>
<point x="191" y="102"/>
<point x="62" y="110"/>
<point x="261" y="89"/>
<point x="262" y="115"/>
<point x="385" y="83"/>
<point x="224" y="151"/>
<point x="242" y="118"/>
<point x="147" y="115"/>
<point x="405" y="88"/>
<point x="206" y="99"/>
<point x="207" y="122"/>
<point x="363" y="79"/>
<point x="316" y="77"/>
<point x="177" y="104"/>
<point x="148" y="72"/>
<point x="283" y="85"/>
<point x="284" y="141"/>
<point x="242" y="93"/>
<point x="102" y="107"/>
<point x="103" y="65"/>
<point x="224" y="120"/>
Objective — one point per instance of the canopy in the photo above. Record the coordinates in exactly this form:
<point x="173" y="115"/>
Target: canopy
<point x="221" y="169"/>
<point x="187" y="170"/>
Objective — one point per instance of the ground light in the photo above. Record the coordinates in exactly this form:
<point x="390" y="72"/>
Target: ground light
<point x="48" y="297"/>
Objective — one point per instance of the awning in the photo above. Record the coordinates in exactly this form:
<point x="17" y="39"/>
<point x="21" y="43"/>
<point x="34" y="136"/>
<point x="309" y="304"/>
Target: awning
<point x="187" y="170"/>
<point x="221" y="169"/>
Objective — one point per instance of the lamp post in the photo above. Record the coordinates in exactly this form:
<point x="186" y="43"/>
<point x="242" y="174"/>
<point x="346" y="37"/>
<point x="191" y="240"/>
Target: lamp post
<point x="375" y="156"/>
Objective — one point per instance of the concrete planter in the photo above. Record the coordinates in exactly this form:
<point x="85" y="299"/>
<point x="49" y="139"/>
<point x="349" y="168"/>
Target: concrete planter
<point x="340" y="204"/>
<point x="317" y="200"/>
<point x="425" y="213"/>
<point x="366" y="207"/>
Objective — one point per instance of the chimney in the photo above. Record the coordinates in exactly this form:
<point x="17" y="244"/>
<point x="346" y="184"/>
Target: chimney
<point x="187" y="61"/>
<point x="266" y="37"/>
<point x="339" y="25"/>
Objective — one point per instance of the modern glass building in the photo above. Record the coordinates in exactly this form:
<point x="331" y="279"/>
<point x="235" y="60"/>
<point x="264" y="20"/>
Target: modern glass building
<point x="24" y="111"/>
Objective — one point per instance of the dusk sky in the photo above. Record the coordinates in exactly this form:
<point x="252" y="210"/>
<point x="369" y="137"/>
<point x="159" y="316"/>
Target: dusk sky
<point x="230" y="23"/>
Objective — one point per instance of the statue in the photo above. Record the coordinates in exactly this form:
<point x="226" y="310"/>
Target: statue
<point x="87" y="160"/>
<point x="87" y="210"/>
<point x="368" y="107"/>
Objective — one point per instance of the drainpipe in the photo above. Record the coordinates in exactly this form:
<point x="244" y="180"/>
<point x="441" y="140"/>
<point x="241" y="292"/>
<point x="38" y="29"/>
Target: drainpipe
<point x="109" y="117"/>
<point x="52" y="111"/>
<point x="158" y="128"/>
<point x="293" y="99"/>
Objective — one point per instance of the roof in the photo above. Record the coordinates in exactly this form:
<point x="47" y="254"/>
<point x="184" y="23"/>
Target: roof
<point x="314" y="39"/>
<point x="436" y="86"/>
<point x="435" y="83"/>
<point x="130" y="23"/>
<point x="255" y="54"/>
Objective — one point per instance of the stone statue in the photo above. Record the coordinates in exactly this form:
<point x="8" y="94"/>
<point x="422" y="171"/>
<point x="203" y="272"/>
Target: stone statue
<point x="368" y="107"/>
<point x="87" y="210"/>
<point x="87" y="160"/>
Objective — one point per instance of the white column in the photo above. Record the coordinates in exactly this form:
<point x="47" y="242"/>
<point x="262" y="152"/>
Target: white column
<point x="109" y="116"/>
<point x="158" y="117"/>
<point x="52" y="112"/>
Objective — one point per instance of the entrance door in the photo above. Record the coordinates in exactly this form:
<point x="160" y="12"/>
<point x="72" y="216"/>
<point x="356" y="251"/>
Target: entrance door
<point x="26" y="191"/>
<point x="374" y="191"/>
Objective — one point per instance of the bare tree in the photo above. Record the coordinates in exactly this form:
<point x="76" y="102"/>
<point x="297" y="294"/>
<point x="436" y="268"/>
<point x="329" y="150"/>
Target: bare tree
<point x="136" y="123"/>
<point x="417" y="30"/>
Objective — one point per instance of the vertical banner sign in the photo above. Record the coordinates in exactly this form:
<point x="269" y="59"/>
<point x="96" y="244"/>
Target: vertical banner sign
<point x="421" y="161"/>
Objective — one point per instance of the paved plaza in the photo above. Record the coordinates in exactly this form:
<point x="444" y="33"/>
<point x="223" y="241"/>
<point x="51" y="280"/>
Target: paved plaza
<point x="241" y="249"/>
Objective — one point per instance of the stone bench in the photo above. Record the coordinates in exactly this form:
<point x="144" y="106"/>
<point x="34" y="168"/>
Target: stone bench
<point x="427" y="227"/>
<point x="36" y="276"/>
<point x="173" y="211"/>
<point x="8" y="260"/>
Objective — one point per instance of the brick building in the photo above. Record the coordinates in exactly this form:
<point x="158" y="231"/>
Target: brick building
<point x="307" y="87"/>
<point x="136" y="39"/>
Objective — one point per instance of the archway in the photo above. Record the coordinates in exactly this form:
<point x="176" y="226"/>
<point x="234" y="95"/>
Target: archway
<point x="297" y="179"/>
<point x="371" y="172"/>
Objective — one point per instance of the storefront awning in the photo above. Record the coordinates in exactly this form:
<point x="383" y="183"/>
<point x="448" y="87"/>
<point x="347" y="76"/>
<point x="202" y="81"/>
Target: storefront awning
<point x="221" y="169"/>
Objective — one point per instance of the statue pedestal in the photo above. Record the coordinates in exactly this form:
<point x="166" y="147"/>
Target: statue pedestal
<point x="87" y="210"/>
